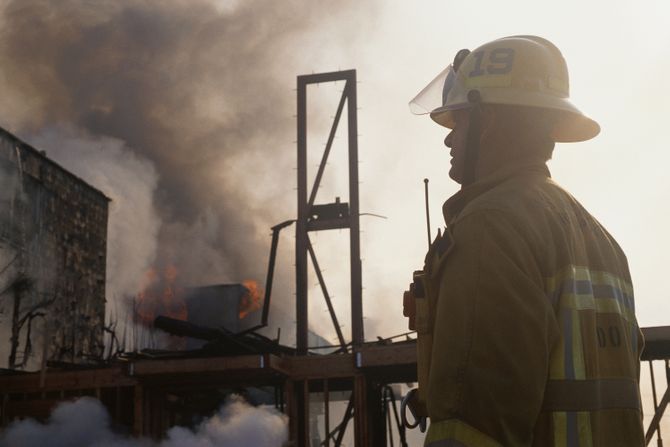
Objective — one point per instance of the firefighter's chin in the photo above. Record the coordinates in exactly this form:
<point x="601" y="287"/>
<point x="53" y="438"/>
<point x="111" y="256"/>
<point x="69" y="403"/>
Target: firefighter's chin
<point x="455" y="173"/>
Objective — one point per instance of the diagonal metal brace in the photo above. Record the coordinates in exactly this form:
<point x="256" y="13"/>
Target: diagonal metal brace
<point x="322" y="282"/>
<point x="326" y="152"/>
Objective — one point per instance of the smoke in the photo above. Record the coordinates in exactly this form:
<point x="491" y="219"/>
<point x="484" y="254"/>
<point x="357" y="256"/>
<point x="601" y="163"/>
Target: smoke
<point x="86" y="423"/>
<point x="175" y="81"/>
<point x="236" y="424"/>
<point x="130" y="181"/>
<point x="188" y="105"/>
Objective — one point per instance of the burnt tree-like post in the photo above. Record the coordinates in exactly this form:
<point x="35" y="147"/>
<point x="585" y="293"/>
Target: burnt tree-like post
<point x="14" y="339"/>
<point x="19" y="287"/>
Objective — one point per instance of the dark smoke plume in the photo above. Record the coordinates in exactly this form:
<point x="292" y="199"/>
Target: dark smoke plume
<point x="202" y="89"/>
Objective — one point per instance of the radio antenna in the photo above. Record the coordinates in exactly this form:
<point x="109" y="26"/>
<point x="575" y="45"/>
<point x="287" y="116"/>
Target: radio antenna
<point x="425" y="183"/>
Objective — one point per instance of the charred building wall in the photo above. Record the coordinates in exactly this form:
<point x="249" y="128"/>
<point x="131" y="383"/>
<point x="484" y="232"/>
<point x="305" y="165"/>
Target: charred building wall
<point x="53" y="239"/>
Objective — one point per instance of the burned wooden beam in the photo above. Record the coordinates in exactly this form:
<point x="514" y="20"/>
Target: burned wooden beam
<point x="182" y="328"/>
<point x="110" y="376"/>
<point x="221" y="341"/>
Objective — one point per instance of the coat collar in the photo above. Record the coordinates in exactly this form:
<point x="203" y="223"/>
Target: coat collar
<point x="455" y="204"/>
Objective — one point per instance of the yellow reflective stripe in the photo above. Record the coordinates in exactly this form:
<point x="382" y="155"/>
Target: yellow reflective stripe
<point x="572" y="290"/>
<point x="577" y="348"/>
<point x="600" y="305"/>
<point x="586" y="301"/>
<point x="584" y="429"/>
<point x="584" y="274"/>
<point x="608" y="278"/>
<point x="456" y="430"/>
<point x="560" y="429"/>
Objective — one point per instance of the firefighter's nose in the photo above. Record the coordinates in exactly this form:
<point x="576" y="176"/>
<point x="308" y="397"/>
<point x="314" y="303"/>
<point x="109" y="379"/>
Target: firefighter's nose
<point x="448" y="139"/>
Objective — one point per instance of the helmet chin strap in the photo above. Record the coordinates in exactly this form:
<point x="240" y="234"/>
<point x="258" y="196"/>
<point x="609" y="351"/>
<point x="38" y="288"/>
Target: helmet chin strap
<point x="473" y="139"/>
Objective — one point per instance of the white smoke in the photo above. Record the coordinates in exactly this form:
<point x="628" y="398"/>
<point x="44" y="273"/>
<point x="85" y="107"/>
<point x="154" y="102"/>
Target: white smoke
<point x="236" y="424"/>
<point x="86" y="423"/>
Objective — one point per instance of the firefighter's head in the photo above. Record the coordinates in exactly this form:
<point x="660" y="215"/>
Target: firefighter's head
<point x="510" y="90"/>
<point x="507" y="135"/>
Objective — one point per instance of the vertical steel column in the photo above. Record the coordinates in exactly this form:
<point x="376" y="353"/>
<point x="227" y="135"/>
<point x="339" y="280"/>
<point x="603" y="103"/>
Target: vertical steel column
<point x="357" y="335"/>
<point x="301" y="396"/>
<point x="301" y="223"/>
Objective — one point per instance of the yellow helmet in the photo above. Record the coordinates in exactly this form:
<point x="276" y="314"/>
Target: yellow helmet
<point x="519" y="70"/>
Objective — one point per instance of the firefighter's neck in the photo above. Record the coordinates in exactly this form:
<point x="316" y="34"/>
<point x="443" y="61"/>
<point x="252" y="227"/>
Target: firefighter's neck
<point x="502" y="148"/>
<point x="502" y="158"/>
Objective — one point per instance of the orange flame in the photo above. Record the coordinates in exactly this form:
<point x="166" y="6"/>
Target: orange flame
<point x="251" y="301"/>
<point x="160" y="295"/>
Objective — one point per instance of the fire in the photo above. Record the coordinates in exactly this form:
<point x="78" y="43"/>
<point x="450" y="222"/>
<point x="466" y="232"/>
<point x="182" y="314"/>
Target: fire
<point x="251" y="301"/>
<point x="160" y="295"/>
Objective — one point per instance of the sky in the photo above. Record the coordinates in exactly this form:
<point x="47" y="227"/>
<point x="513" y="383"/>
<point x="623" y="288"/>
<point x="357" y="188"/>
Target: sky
<point x="618" y="54"/>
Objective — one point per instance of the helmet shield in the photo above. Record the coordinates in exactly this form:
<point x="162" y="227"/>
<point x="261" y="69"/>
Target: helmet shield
<point x="434" y="95"/>
<point x="446" y="92"/>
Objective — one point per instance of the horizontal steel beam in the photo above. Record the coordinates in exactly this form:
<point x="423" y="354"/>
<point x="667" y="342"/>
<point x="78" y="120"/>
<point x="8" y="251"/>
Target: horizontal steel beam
<point x="332" y="76"/>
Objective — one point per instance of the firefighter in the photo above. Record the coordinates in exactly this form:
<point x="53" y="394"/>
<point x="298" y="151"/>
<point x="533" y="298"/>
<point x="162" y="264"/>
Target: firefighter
<point x="524" y="309"/>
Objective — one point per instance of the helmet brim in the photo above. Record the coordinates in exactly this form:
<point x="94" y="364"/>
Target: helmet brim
<point x="571" y="125"/>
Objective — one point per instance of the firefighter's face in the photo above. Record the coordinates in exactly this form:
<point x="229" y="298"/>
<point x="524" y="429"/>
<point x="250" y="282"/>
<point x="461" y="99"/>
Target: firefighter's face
<point x="456" y="141"/>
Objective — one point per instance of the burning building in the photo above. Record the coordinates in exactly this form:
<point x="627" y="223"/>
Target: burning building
<point x="53" y="242"/>
<point x="229" y="307"/>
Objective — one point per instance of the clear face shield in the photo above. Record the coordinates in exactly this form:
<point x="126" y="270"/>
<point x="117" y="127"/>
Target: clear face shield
<point x="444" y="93"/>
<point x="434" y="95"/>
